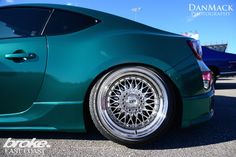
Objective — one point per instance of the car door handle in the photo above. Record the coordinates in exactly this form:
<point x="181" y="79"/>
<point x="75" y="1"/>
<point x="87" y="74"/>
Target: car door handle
<point x="20" y="56"/>
<point x="11" y="56"/>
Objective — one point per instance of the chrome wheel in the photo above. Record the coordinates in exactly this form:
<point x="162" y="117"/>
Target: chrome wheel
<point x="132" y="102"/>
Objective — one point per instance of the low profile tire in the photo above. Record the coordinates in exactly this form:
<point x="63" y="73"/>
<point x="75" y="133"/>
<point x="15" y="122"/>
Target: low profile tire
<point x="132" y="105"/>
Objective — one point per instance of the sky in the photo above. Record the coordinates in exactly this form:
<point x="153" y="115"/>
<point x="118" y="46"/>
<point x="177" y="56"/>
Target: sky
<point x="174" y="16"/>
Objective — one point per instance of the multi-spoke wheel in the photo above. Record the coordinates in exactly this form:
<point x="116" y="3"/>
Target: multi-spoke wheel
<point x="131" y="104"/>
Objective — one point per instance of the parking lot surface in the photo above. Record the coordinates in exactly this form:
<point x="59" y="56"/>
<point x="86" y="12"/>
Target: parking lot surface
<point x="217" y="138"/>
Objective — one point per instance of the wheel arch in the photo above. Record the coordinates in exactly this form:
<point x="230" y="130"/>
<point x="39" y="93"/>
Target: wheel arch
<point x="179" y="107"/>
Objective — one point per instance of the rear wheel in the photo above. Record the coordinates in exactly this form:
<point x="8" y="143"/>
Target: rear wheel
<point x="132" y="105"/>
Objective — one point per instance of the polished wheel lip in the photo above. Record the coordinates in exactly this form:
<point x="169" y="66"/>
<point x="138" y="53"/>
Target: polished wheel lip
<point x="102" y="101"/>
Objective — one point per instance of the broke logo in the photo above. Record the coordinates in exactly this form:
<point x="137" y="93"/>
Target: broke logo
<point x="29" y="147"/>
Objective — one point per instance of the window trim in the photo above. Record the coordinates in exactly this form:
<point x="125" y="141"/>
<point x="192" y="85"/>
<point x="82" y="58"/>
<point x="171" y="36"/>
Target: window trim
<point x="46" y="23"/>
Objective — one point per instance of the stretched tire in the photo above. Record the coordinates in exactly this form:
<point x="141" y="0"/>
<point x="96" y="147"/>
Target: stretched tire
<point x="132" y="105"/>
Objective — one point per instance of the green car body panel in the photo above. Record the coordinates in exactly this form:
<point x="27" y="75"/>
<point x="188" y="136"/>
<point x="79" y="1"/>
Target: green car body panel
<point x="49" y="92"/>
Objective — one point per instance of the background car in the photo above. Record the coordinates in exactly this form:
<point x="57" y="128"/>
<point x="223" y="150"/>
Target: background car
<point x="61" y="65"/>
<point x="220" y="63"/>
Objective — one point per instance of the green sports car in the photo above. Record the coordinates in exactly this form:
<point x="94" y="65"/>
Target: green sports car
<point x="62" y="65"/>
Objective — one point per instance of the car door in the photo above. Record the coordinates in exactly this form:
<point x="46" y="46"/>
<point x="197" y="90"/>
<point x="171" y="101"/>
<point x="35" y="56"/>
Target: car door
<point x="23" y="54"/>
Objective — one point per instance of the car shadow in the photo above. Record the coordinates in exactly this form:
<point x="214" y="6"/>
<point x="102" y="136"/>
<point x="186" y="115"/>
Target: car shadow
<point x="51" y="135"/>
<point x="221" y="128"/>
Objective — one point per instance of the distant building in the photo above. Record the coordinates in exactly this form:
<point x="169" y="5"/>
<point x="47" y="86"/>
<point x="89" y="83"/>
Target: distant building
<point x="218" y="47"/>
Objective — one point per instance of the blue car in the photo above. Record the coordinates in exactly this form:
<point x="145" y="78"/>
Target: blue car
<point x="220" y="63"/>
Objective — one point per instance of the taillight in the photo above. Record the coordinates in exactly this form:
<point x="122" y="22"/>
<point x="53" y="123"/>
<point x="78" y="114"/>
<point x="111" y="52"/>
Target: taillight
<point x="207" y="79"/>
<point x="196" y="48"/>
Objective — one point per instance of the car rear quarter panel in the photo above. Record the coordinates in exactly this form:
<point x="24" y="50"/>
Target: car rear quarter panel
<point x="75" y="60"/>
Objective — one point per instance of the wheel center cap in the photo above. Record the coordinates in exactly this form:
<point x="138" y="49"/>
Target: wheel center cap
<point x="132" y="101"/>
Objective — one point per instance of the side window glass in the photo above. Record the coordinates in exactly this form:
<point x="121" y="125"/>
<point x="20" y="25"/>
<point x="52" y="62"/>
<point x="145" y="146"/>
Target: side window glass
<point x="64" y="22"/>
<point x="22" y="22"/>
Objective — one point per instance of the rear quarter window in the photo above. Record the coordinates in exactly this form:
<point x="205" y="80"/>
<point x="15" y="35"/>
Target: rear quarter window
<point x="65" y="22"/>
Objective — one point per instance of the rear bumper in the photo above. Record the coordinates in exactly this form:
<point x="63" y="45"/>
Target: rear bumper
<point x="197" y="109"/>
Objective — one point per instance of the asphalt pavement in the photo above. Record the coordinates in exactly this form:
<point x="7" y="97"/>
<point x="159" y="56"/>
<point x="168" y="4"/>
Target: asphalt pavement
<point x="216" y="138"/>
